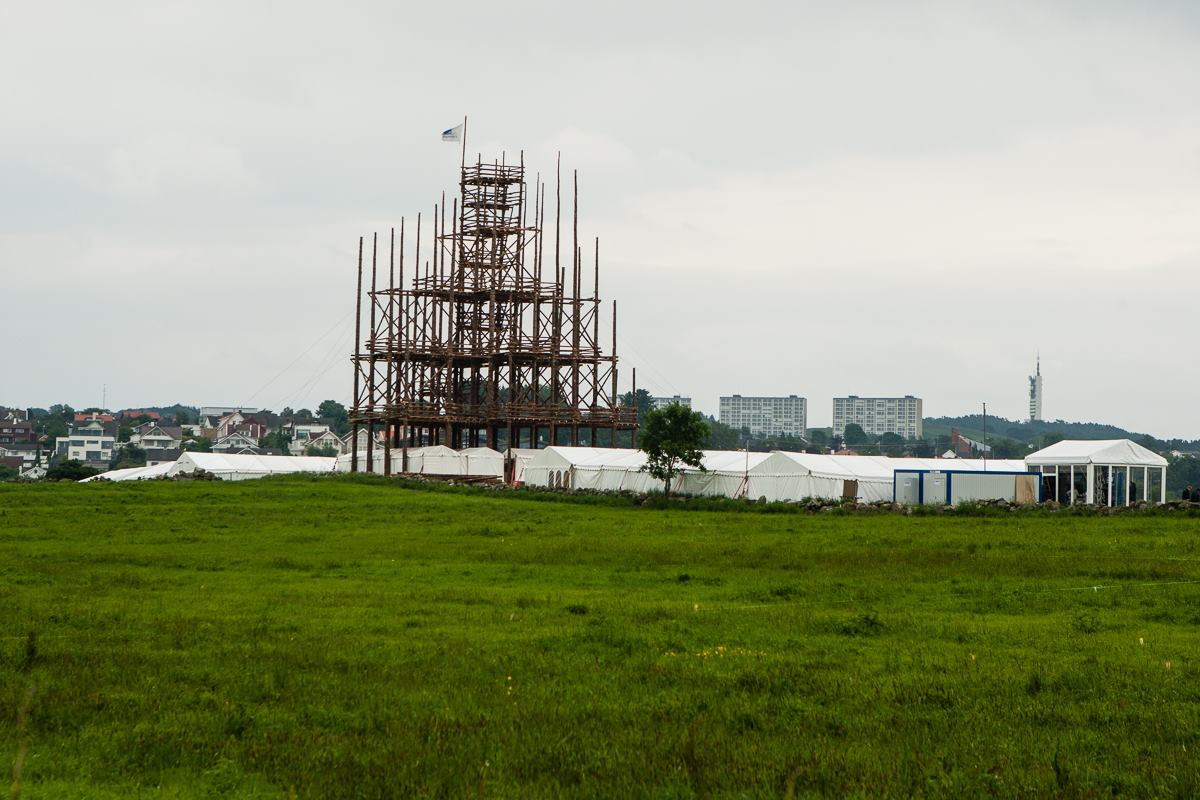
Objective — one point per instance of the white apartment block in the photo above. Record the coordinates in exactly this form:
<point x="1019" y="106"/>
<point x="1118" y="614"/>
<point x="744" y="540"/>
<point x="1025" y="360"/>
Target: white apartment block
<point x="88" y="442"/>
<point x="879" y="415"/>
<point x="766" y="416"/>
<point x="663" y="402"/>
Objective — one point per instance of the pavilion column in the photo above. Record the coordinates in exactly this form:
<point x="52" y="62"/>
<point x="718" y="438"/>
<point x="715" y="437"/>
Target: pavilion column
<point x="1091" y="484"/>
<point x="1162" y="485"/>
<point x="1109" y="482"/>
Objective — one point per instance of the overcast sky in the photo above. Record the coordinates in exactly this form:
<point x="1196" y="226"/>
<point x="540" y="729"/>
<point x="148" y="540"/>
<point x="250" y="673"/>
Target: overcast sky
<point x="792" y="198"/>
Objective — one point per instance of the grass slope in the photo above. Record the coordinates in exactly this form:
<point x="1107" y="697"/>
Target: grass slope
<point x="330" y="638"/>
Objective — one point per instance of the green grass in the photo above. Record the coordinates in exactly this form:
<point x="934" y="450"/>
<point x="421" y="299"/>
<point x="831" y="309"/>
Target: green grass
<point x="343" y="638"/>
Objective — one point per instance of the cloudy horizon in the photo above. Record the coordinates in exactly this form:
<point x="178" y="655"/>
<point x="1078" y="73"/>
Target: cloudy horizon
<point x="865" y="200"/>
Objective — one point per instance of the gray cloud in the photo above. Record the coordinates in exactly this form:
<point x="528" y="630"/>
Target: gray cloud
<point x="790" y="197"/>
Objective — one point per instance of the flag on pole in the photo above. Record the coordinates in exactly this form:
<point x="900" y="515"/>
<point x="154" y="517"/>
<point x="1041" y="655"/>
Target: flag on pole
<point x="453" y="134"/>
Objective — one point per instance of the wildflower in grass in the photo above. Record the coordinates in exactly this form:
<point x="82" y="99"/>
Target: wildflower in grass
<point x="1167" y="664"/>
<point x="1141" y="640"/>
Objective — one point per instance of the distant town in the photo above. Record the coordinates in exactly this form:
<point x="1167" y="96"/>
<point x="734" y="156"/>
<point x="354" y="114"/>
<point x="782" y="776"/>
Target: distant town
<point x="61" y="442"/>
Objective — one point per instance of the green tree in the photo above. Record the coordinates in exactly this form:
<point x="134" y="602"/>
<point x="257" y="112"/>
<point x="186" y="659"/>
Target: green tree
<point x="1051" y="438"/>
<point x="335" y="412"/>
<point x="70" y="470"/>
<point x="855" y="435"/>
<point x="892" y="444"/>
<point x="129" y="456"/>
<point x="1007" y="448"/>
<point x="7" y="473"/>
<point x="276" y="440"/>
<point x="722" y="436"/>
<point x="63" y="412"/>
<point x="671" y="437"/>
<point x="923" y="448"/>
<point x="643" y="402"/>
<point x="201" y="445"/>
<point x="54" y="428"/>
<point x="304" y="413"/>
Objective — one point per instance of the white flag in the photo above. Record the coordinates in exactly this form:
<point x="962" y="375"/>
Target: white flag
<point x="453" y="134"/>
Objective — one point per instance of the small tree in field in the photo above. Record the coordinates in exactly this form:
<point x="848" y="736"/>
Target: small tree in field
<point x="671" y="437"/>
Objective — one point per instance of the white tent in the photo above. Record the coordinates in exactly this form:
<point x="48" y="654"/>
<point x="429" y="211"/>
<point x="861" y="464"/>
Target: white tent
<point x="482" y="461"/>
<point x="1101" y="472"/>
<point x="725" y="474"/>
<point x="795" y="476"/>
<point x="554" y="466"/>
<point x="133" y="473"/>
<point x="244" y="467"/>
<point x="520" y="457"/>
<point x="777" y="476"/>
<point x="1107" y="451"/>
<point x="432" y="460"/>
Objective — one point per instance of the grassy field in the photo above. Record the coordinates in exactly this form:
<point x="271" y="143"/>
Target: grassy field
<point x="339" y="638"/>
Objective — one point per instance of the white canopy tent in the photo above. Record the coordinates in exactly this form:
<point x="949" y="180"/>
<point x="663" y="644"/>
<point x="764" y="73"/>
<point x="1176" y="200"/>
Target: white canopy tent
<point x="133" y="473"/>
<point x="482" y="462"/>
<point x="520" y="457"/>
<point x="432" y="460"/>
<point x="1100" y="472"/>
<point x="233" y="467"/>
<point x="226" y="466"/>
<point x="777" y="476"/>
<point x="612" y="469"/>
<point x="795" y="476"/>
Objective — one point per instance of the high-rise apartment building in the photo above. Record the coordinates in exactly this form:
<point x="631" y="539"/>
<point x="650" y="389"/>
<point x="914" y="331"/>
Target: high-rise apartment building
<point x="879" y="415"/>
<point x="766" y="416"/>
<point x="1035" y="393"/>
<point x="661" y="402"/>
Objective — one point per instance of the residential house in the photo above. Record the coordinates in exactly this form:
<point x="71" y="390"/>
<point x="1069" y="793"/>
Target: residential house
<point x="967" y="448"/>
<point x="348" y="441"/>
<point x="210" y="416"/>
<point x="236" y="422"/>
<point x="18" y="440"/>
<point x="30" y="453"/>
<point x="90" y="441"/>
<point x="153" y="436"/>
<point x="103" y="416"/>
<point x="234" y="442"/>
<point x="156" y="455"/>
<point x="17" y="431"/>
<point x="321" y="439"/>
<point x="24" y="469"/>
<point x="302" y="435"/>
<point x="132" y="414"/>
<point x="161" y="443"/>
